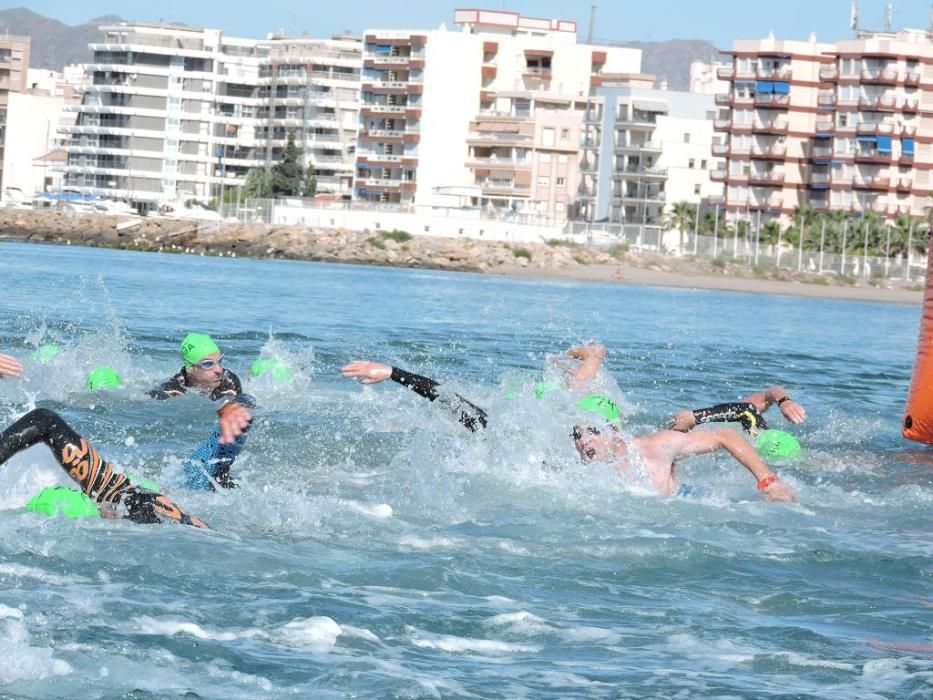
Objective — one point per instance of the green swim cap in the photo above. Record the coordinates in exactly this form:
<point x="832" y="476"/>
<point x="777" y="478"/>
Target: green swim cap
<point x="775" y="444"/>
<point x="143" y="483"/>
<point x="601" y="405"/>
<point x="280" y="371"/>
<point x="70" y="502"/>
<point x="102" y="378"/>
<point x="196" y="346"/>
<point x="44" y="353"/>
<point x="542" y="389"/>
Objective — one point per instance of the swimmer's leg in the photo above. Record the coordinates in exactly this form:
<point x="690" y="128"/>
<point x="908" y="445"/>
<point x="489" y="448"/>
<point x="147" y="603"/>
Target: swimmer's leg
<point x="83" y="463"/>
<point x="212" y="459"/>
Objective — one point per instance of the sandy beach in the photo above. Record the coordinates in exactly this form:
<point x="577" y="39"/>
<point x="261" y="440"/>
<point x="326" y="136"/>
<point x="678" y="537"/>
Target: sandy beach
<point x="683" y="280"/>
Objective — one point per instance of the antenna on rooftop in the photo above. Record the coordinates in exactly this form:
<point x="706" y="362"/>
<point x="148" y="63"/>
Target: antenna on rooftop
<point x="853" y="17"/>
<point x="888" y="17"/>
<point x="589" y="33"/>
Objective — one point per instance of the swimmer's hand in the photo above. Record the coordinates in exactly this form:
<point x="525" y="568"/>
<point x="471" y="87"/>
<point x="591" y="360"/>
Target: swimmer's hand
<point x="9" y="366"/>
<point x="367" y="372"/>
<point x="793" y="411"/>
<point x="234" y="419"/>
<point x="597" y="351"/>
<point x="684" y="421"/>
<point x="779" y="492"/>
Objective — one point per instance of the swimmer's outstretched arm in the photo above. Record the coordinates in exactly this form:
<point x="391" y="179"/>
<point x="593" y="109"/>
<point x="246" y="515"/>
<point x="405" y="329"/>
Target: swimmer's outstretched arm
<point x="744" y="412"/>
<point x="83" y="463"/>
<point x="790" y="409"/>
<point x="9" y="366"/>
<point x="591" y="357"/>
<point x="468" y="414"/>
<point x="705" y="441"/>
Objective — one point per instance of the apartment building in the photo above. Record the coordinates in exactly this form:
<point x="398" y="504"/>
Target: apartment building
<point x="845" y="126"/>
<point x="494" y="110"/>
<point x="173" y="112"/>
<point x="645" y="150"/>
<point x="14" y="68"/>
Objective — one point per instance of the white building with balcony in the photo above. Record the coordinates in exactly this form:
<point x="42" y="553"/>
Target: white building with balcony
<point x="646" y="150"/>
<point x="496" y="108"/>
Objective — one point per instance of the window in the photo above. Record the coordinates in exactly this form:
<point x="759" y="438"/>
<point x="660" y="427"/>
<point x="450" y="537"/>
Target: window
<point x="696" y="189"/>
<point x="686" y="138"/>
<point x="692" y="164"/>
<point x="560" y="182"/>
<point x="544" y="181"/>
<point x="565" y="134"/>
<point x="703" y="164"/>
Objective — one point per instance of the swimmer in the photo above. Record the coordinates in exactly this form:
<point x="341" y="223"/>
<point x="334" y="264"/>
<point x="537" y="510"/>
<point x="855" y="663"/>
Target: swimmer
<point x="110" y="490"/>
<point x="658" y="451"/>
<point x="9" y="366"/>
<point x="204" y="372"/>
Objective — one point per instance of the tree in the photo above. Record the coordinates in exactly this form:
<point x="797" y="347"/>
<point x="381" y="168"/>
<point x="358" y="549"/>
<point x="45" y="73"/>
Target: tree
<point x="258" y="183"/>
<point x="682" y="217"/>
<point x="770" y="232"/>
<point x="310" y="188"/>
<point x="286" y="174"/>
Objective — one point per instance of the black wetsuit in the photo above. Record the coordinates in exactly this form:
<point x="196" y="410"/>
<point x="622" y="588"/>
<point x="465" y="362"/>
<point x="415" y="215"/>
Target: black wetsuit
<point x="468" y="414"/>
<point x="83" y="462"/>
<point x="211" y="461"/>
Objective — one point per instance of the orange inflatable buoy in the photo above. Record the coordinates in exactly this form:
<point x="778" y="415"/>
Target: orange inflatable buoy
<point x="918" y="417"/>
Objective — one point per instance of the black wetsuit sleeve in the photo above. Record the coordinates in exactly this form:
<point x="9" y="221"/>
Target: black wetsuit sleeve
<point x="167" y="389"/>
<point x="469" y="415"/>
<point x="741" y="412"/>
<point x="228" y="388"/>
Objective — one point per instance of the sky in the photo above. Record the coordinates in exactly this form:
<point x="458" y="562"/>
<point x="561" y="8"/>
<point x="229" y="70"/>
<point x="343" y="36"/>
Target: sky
<point x="718" y="21"/>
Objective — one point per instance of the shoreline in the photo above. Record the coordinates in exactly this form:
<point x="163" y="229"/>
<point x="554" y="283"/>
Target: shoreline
<point x="638" y="276"/>
<point x="545" y="260"/>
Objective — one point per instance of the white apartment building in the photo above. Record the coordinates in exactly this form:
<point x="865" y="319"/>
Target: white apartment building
<point x="493" y="111"/>
<point x="704" y="77"/>
<point x="14" y="67"/>
<point x="646" y="150"/>
<point x="845" y="126"/>
<point x="173" y="112"/>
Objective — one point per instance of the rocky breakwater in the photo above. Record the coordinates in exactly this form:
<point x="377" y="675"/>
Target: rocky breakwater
<point x="393" y="248"/>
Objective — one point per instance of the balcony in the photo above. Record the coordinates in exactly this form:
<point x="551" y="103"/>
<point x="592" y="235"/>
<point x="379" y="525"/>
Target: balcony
<point x="819" y="179"/>
<point x="826" y="99"/>
<point x="390" y="159"/>
<point x="643" y="147"/>
<point x="880" y="76"/>
<point x="909" y="130"/>
<point x="910" y="104"/>
<point x="773" y="152"/>
<point x="829" y="73"/>
<point x="903" y="184"/>
<point x="821" y="153"/>
<point x="638" y="173"/>
<point x="775" y="126"/>
<point x="871" y="183"/>
<point x="499" y="138"/>
<point x="902" y="210"/>
<point x="879" y="206"/>
<point x="504" y="187"/>
<point x="721" y="124"/>
<point x="721" y="150"/>
<point x="872" y="157"/>
<point x="742" y="100"/>
<point x="766" y="203"/>
<point x="825" y="126"/>
<point x="723" y="99"/>
<point x="781" y="74"/>
<point x="874" y="128"/>
<point x="769" y="101"/>
<point x="884" y="103"/>
<point x="766" y="179"/>
<point x="745" y="74"/>
<point x="589" y="166"/>
<point x="912" y="78"/>
<point x="718" y="176"/>
<point x="725" y="73"/>
<point x="498" y="163"/>
<point x="385" y="183"/>
<point x="592" y="117"/>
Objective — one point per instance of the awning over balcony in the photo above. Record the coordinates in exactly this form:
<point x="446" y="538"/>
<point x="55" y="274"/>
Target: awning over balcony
<point x="884" y="144"/>
<point x="867" y="139"/>
<point x="907" y="147"/>
<point x="539" y="52"/>
<point x="764" y="87"/>
<point x="781" y="88"/>
<point x="820" y="135"/>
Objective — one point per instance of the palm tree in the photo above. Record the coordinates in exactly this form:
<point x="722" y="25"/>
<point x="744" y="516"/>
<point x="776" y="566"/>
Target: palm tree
<point x="770" y="232"/>
<point x="682" y="217"/>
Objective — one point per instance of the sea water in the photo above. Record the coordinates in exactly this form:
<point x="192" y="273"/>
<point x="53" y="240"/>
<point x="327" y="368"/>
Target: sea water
<point x="375" y="548"/>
